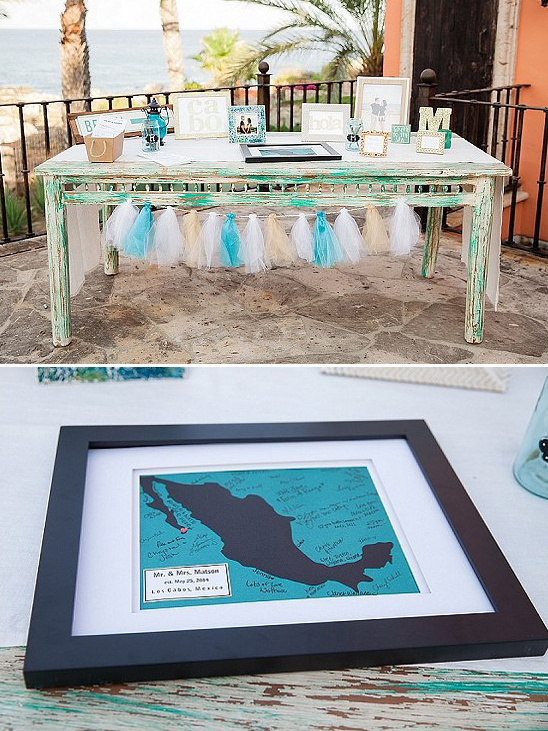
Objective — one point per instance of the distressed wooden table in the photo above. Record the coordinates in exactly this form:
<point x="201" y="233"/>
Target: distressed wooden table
<point x="387" y="698"/>
<point x="431" y="181"/>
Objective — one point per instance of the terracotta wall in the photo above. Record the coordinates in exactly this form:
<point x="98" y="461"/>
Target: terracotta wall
<point x="531" y="68"/>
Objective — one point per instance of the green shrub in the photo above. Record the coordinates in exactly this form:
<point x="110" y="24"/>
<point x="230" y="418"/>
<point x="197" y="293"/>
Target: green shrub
<point x="16" y="213"/>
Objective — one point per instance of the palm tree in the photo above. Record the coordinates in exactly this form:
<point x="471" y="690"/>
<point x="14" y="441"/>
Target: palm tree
<point x="172" y="43"/>
<point x="223" y="49"/>
<point x="75" y="79"/>
<point x="351" y="30"/>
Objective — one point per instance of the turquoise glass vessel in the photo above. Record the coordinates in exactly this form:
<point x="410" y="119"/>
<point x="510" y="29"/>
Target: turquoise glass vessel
<point x="531" y="465"/>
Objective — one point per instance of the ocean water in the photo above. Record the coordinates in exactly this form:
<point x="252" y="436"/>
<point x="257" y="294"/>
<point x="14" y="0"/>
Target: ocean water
<point x="120" y="61"/>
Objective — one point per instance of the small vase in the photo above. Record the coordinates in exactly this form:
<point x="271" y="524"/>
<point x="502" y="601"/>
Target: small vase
<point x="531" y="465"/>
<point x="353" y="129"/>
<point x="150" y="136"/>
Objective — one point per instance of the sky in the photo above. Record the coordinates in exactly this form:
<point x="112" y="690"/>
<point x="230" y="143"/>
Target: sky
<point x="141" y="14"/>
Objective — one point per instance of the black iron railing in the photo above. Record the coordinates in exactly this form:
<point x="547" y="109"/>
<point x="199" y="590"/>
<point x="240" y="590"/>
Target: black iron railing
<point x="41" y="130"/>
<point x="494" y="120"/>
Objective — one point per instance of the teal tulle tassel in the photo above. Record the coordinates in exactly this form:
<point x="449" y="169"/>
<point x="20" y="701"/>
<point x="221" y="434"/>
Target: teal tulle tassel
<point x="327" y="250"/>
<point x="136" y="243"/>
<point x="230" y="242"/>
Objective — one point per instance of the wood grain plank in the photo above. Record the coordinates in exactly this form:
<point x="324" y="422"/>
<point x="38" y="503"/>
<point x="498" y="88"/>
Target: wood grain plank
<point x="387" y="698"/>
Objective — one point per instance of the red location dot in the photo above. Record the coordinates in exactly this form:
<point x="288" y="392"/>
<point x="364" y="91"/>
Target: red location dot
<point x="183" y="529"/>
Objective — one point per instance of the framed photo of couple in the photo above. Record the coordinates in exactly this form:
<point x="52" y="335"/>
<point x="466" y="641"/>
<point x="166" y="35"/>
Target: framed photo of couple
<point x="227" y="549"/>
<point x="247" y="124"/>
<point x="382" y="101"/>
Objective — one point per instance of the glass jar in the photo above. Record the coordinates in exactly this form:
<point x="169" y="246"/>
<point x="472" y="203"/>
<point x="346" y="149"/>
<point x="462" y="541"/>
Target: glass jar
<point x="150" y="135"/>
<point x="531" y="465"/>
<point x="353" y="129"/>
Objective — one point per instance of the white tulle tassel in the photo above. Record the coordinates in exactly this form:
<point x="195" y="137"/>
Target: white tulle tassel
<point x="349" y="235"/>
<point x="374" y="232"/>
<point x="118" y="225"/>
<point x="302" y="238"/>
<point x="405" y="229"/>
<point x="209" y="242"/>
<point x="167" y="240"/>
<point x="253" y="252"/>
<point x="191" y="234"/>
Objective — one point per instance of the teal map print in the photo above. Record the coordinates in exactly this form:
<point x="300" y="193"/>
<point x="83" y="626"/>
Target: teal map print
<point x="264" y="534"/>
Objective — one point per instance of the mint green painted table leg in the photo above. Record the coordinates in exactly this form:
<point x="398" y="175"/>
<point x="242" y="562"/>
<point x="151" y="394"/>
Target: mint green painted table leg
<point x="59" y="283"/>
<point x="432" y="241"/>
<point x="478" y="250"/>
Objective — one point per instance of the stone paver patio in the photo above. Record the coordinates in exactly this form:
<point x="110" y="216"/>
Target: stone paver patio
<point x="380" y="311"/>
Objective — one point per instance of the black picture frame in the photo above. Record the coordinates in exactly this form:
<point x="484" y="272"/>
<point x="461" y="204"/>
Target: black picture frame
<point x="330" y="155"/>
<point x="55" y="657"/>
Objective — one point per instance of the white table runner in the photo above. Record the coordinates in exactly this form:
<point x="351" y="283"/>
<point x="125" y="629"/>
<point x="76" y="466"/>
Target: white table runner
<point x="83" y="231"/>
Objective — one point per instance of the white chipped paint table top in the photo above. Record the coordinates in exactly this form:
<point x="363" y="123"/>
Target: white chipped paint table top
<point x="222" y="158"/>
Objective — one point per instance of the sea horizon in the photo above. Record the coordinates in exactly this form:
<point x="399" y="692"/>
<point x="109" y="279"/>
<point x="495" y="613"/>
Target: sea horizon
<point x="116" y="67"/>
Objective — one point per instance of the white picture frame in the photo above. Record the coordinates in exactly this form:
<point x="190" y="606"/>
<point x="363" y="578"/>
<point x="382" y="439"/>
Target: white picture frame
<point x="382" y="101"/>
<point x="324" y="122"/>
<point x="201" y="114"/>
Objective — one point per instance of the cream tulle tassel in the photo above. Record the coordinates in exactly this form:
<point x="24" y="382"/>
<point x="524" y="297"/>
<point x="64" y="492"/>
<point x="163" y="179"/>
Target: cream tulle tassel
<point x="119" y="224"/>
<point x="374" y="232"/>
<point x="191" y="233"/>
<point x="167" y="240"/>
<point x="302" y="238"/>
<point x="253" y="247"/>
<point x="278" y="247"/>
<point x="209" y="242"/>
<point x="348" y="233"/>
<point x="405" y="229"/>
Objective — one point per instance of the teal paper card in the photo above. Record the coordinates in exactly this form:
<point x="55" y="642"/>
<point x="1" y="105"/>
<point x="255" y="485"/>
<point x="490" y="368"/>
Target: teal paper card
<point x="257" y="535"/>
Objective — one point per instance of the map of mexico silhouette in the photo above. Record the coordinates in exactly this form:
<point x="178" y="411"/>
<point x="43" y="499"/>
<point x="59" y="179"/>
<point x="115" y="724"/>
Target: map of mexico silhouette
<point x="255" y="535"/>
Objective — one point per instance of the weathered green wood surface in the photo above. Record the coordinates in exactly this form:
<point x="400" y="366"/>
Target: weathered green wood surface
<point x="303" y="172"/>
<point x="478" y="251"/>
<point x="58" y="262"/>
<point x="432" y="243"/>
<point x="387" y="698"/>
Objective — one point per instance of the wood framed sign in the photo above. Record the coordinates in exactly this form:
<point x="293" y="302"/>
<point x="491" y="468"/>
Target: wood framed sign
<point x="195" y="550"/>
<point x="325" y="122"/>
<point x="382" y="101"/>
<point x="83" y="123"/>
<point x="201" y="114"/>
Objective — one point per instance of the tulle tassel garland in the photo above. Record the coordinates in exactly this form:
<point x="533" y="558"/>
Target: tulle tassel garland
<point x="209" y="242"/>
<point x="327" y="250"/>
<point x="277" y="244"/>
<point x="119" y="224"/>
<point x="191" y="233"/>
<point x="405" y="229"/>
<point x="253" y="247"/>
<point x="349" y="236"/>
<point x="137" y="241"/>
<point x="230" y="242"/>
<point x="302" y="238"/>
<point x="374" y="232"/>
<point x="167" y="244"/>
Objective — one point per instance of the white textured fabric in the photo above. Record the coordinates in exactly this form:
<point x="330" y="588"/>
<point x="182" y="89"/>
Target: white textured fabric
<point x="219" y="150"/>
<point x="480" y="432"/>
<point x="84" y="236"/>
